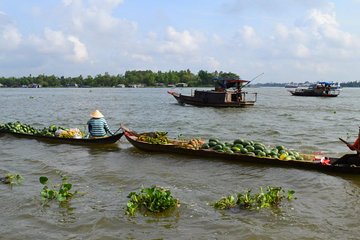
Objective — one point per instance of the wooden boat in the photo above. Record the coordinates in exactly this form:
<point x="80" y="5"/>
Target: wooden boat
<point x="227" y="93"/>
<point x="330" y="165"/>
<point x="320" y="89"/>
<point x="81" y="141"/>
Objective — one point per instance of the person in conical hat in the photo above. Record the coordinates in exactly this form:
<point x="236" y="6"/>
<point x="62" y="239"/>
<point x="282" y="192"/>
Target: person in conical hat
<point x="96" y="114"/>
<point x="97" y="125"/>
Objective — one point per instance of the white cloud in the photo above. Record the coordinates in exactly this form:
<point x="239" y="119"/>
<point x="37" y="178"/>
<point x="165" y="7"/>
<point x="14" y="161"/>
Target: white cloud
<point x="180" y="42"/>
<point x="51" y="42"/>
<point x="60" y="45"/>
<point x="68" y="2"/>
<point x="10" y="38"/>
<point x="105" y="4"/>
<point x="96" y="16"/>
<point x="80" y="53"/>
<point x="142" y="57"/>
<point x="282" y="31"/>
<point x="319" y="36"/>
<point x="318" y="68"/>
<point x="325" y="26"/>
<point x="213" y="63"/>
<point x="250" y="37"/>
<point x="55" y="40"/>
<point x="301" y="51"/>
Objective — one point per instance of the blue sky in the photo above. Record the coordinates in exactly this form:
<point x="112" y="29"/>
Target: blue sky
<point x="288" y="40"/>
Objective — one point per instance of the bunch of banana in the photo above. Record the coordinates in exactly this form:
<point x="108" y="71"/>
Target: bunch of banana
<point x="154" y="138"/>
<point x="194" y="144"/>
<point x="71" y="133"/>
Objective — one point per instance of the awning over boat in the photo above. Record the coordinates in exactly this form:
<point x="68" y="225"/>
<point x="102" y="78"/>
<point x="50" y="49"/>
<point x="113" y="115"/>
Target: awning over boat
<point x="326" y="83"/>
<point x="230" y="83"/>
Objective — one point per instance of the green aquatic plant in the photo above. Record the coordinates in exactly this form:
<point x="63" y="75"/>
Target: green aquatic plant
<point x="225" y="203"/>
<point x="12" y="179"/>
<point x="272" y="197"/>
<point x="153" y="199"/>
<point x="264" y="199"/>
<point x="60" y="192"/>
<point x="245" y="200"/>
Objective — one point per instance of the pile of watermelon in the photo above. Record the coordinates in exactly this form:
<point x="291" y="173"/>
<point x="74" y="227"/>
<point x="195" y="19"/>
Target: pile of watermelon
<point x="252" y="148"/>
<point x="18" y="127"/>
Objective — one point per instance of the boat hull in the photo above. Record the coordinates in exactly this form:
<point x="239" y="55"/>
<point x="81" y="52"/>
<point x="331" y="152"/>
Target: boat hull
<point x="205" y="102"/>
<point x="81" y="141"/>
<point x="174" y="149"/>
<point x="312" y="94"/>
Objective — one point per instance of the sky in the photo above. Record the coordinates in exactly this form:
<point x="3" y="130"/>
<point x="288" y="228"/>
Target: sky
<point x="287" y="40"/>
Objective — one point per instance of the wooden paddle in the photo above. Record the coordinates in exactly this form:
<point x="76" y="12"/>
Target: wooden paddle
<point x="344" y="141"/>
<point x="117" y="130"/>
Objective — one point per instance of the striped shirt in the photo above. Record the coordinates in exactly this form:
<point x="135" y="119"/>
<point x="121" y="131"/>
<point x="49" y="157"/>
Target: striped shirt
<point x="98" y="127"/>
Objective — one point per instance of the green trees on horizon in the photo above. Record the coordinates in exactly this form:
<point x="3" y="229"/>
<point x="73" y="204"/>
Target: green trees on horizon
<point x="145" y="77"/>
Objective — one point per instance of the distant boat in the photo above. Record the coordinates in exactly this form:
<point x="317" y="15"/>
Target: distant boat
<point x="319" y="89"/>
<point x="181" y="85"/>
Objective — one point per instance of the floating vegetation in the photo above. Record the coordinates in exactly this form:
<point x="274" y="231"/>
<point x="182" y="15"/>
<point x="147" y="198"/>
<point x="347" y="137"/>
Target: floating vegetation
<point x="60" y="192"/>
<point x="12" y="179"/>
<point x="154" y="199"/>
<point x="265" y="199"/>
<point x="225" y="203"/>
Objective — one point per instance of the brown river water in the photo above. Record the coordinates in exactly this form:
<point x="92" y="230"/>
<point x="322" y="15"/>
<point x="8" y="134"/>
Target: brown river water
<point x="327" y="206"/>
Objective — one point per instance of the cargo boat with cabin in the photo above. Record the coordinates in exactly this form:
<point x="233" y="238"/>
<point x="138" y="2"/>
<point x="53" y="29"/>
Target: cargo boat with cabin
<point x="320" y="89"/>
<point x="227" y="93"/>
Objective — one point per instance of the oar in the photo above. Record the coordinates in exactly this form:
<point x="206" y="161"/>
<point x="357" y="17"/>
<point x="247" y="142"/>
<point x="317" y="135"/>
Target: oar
<point x="344" y="141"/>
<point x="117" y="130"/>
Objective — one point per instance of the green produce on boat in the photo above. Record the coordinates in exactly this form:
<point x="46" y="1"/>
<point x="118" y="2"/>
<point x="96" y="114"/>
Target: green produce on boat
<point x="55" y="133"/>
<point x="259" y="153"/>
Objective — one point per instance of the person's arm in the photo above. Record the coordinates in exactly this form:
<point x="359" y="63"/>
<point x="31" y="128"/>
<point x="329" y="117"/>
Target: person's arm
<point x="106" y="127"/>
<point x="356" y="145"/>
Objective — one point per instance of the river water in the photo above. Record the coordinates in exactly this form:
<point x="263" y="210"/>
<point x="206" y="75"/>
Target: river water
<point x="327" y="205"/>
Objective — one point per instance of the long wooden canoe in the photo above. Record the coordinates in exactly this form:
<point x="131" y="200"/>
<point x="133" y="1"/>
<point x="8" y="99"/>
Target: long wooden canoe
<point x="80" y="141"/>
<point x="305" y="164"/>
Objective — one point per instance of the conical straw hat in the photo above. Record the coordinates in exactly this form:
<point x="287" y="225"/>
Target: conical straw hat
<point x="96" y="114"/>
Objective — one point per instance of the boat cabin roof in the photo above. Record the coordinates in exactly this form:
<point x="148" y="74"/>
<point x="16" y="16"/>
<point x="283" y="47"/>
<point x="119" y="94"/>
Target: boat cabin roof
<point x="326" y="83"/>
<point x="230" y="83"/>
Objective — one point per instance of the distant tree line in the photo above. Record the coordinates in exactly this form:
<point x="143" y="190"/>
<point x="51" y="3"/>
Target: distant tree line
<point x="346" y="84"/>
<point x="146" y="78"/>
<point x="351" y="84"/>
<point x="269" y="84"/>
<point x="135" y="77"/>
